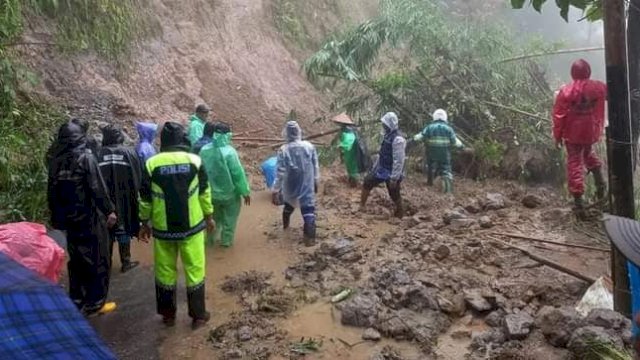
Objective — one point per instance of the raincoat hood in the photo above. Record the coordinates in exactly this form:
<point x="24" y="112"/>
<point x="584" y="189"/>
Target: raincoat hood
<point x="580" y="70"/>
<point x="292" y="131"/>
<point x="112" y="135"/>
<point x="83" y="124"/>
<point x="221" y="140"/>
<point x="173" y="137"/>
<point x="71" y="135"/>
<point x="390" y="121"/>
<point x="440" y="115"/>
<point x="146" y="131"/>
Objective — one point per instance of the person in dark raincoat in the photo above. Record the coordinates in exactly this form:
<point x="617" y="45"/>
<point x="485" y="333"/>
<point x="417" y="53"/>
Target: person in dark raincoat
<point x="92" y="143"/>
<point x="389" y="166"/>
<point x="79" y="204"/>
<point x="122" y="172"/>
<point x="146" y="134"/>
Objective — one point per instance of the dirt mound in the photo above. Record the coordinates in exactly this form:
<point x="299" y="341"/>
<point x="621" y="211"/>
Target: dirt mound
<point x="226" y="53"/>
<point x="248" y="281"/>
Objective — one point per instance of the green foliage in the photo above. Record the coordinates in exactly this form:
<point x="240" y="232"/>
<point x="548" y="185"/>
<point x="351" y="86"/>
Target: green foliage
<point x="436" y="61"/>
<point x="490" y="152"/>
<point x="288" y="21"/>
<point x="26" y="123"/>
<point x="592" y="9"/>
<point x="25" y="135"/>
<point x="106" y="26"/>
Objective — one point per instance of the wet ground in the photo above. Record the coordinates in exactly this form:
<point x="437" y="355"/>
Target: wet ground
<point x="134" y="331"/>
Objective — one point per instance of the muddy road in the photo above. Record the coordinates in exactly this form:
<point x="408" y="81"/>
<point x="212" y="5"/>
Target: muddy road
<point x="417" y="282"/>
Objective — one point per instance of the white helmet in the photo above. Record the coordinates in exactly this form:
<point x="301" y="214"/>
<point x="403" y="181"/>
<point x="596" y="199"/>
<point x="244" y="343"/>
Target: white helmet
<point x="440" y="114"/>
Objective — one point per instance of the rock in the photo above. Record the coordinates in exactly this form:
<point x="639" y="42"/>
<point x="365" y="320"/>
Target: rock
<point x="351" y="257"/>
<point x="531" y="201"/>
<point x="492" y="336"/>
<point x="485" y="222"/>
<point x="442" y="252"/>
<point x="455" y="214"/>
<point x="557" y="324"/>
<point x="419" y="298"/>
<point x="406" y="324"/>
<point x="454" y="305"/>
<point x="608" y="319"/>
<point x="234" y="354"/>
<point x="548" y="352"/>
<point x="582" y="339"/>
<point x="476" y="301"/>
<point x="494" y="201"/>
<point x="371" y="334"/>
<point x="245" y="333"/>
<point x="390" y="276"/>
<point x="458" y="224"/>
<point x="361" y="310"/>
<point x="338" y="247"/>
<point x="474" y="207"/>
<point x="517" y="326"/>
<point x="494" y="319"/>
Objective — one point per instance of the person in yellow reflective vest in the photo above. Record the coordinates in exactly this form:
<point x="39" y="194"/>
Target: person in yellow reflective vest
<point x="175" y="206"/>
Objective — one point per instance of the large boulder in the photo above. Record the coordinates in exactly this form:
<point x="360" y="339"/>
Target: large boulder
<point x="361" y="310"/>
<point x="582" y="340"/>
<point x="557" y="324"/>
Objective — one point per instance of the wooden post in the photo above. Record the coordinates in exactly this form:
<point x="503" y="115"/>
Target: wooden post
<point x="633" y="47"/>
<point x="619" y="141"/>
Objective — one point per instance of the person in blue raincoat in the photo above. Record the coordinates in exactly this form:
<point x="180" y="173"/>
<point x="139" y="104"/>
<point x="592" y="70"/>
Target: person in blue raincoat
<point x="389" y="167"/>
<point x="147" y="134"/>
<point x="297" y="179"/>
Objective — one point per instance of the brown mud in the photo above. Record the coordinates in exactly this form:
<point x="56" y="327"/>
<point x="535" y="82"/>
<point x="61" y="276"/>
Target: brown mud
<point x="277" y="291"/>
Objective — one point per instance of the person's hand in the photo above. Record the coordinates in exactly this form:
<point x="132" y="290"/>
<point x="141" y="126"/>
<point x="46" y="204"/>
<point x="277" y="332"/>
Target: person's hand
<point x="247" y="200"/>
<point x="211" y="225"/>
<point x="145" y="233"/>
<point x="275" y="198"/>
<point x="112" y="219"/>
<point x="559" y="144"/>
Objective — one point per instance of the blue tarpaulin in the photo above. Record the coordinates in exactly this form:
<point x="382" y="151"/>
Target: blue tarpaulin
<point x="269" y="170"/>
<point x="39" y="321"/>
<point x="634" y="285"/>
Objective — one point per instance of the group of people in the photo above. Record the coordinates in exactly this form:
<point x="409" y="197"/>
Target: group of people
<point x="102" y="195"/>
<point x="196" y="185"/>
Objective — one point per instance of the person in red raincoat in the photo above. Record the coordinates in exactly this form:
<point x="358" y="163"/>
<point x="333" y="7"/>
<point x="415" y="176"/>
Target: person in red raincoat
<point x="578" y="124"/>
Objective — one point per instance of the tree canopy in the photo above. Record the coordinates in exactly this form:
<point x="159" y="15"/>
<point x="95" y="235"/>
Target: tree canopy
<point x="592" y="9"/>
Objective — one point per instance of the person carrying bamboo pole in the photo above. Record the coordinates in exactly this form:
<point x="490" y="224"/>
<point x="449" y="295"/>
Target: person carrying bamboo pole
<point x="578" y="124"/>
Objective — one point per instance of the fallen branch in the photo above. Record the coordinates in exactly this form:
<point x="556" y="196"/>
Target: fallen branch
<point x="549" y="263"/>
<point x="523" y="237"/>
<point x="310" y="137"/>
<point x="521" y="112"/>
<point x="556" y="52"/>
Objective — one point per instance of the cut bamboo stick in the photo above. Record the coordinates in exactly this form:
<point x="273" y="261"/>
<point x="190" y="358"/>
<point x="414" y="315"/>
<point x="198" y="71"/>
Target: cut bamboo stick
<point x="523" y="237"/>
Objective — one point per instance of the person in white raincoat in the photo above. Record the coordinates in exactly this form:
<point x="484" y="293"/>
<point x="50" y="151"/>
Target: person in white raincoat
<point x="297" y="180"/>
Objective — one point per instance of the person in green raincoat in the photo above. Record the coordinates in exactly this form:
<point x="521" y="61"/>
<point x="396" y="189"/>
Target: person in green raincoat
<point x="439" y="138"/>
<point x="348" y="147"/>
<point x="229" y="185"/>
<point x="197" y="122"/>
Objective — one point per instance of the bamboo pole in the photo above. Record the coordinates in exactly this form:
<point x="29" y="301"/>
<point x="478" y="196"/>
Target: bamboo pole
<point x="523" y="237"/>
<point x="556" y="52"/>
<point x="549" y="263"/>
<point x="522" y="112"/>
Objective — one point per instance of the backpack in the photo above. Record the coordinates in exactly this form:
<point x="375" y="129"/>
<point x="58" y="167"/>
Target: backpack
<point x="362" y="154"/>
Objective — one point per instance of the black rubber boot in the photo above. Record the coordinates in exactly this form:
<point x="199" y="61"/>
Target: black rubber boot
<point x="286" y="216"/>
<point x="601" y="186"/>
<point x="197" y="308"/>
<point x="125" y="257"/>
<point x="166" y="303"/>
<point x="309" y="231"/>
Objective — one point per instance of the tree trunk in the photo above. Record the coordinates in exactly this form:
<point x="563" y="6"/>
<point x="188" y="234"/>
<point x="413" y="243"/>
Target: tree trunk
<point x="633" y="41"/>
